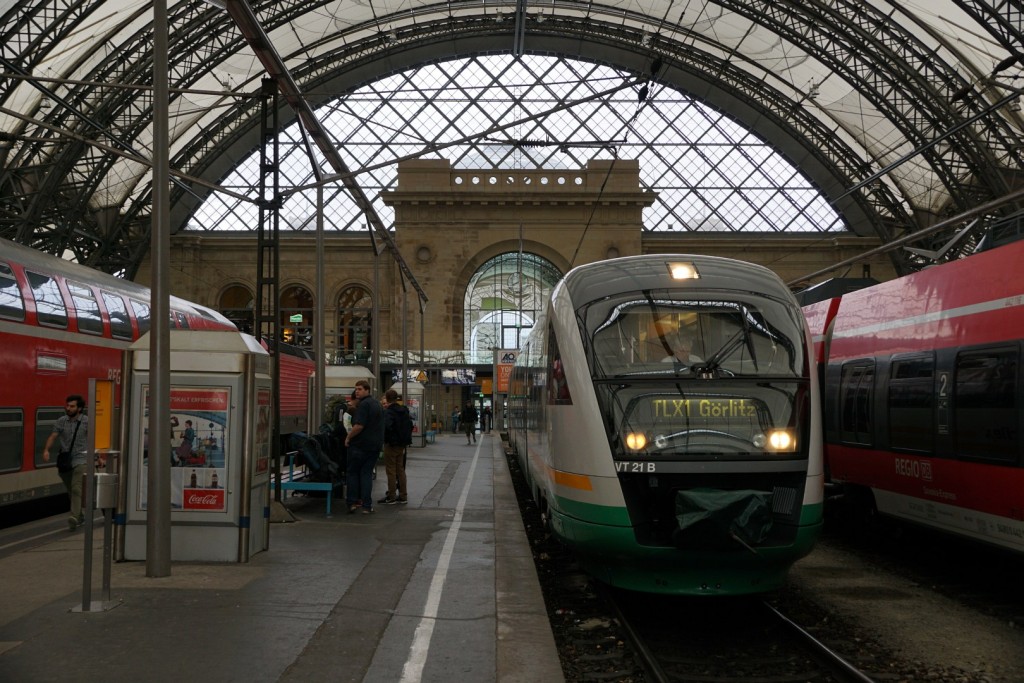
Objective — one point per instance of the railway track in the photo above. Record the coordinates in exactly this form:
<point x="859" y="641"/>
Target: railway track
<point x="723" y="641"/>
<point x="594" y="642"/>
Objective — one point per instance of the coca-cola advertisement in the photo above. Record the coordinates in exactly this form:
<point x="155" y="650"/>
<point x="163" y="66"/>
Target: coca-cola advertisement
<point x="196" y="445"/>
<point x="204" y="499"/>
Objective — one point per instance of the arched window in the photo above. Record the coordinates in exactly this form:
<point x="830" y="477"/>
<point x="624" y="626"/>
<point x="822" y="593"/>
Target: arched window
<point x="297" y="316"/>
<point x="504" y="298"/>
<point x="355" y="318"/>
<point x="236" y="304"/>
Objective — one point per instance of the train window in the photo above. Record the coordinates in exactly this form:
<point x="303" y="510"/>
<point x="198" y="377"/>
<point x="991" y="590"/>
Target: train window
<point x="141" y="315"/>
<point x="985" y="405"/>
<point x="558" y="386"/>
<point x="181" y="319"/>
<point x="86" y="308"/>
<point x="120" y="324"/>
<point x="855" y="390"/>
<point x="45" y="419"/>
<point x="50" y="309"/>
<point x="659" y="333"/>
<point x="911" y="415"/>
<point x="11" y="304"/>
<point x="12" y="435"/>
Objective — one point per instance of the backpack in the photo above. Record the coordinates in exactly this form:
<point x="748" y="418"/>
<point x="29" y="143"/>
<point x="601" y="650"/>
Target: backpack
<point x="331" y="411"/>
<point x="397" y="426"/>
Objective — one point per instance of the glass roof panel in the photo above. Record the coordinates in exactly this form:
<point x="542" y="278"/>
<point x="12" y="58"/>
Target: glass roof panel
<point x="711" y="173"/>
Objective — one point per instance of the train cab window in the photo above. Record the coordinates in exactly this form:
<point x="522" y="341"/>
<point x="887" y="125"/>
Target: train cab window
<point x="141" y="315"/>
<point x="911" y="412"/>
<point x="50" y="308"/>
<point x="45" y="419"/>
<point x="985" y="405"/>
<point x="558" y="385"/>
<point x="180" y="320"/>
<point x="12" y="306"/>
<point x="86" y="308"/>
<point x="12" y="435"/>
<point x="856" y="386"/>
<point x="120" y="323"/>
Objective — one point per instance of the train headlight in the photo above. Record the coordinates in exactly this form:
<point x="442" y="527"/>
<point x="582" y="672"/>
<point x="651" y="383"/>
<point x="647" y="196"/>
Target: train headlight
<point x="780" y="441"/>
<point x="683" y="270"/>
<point x="636" y="441"/>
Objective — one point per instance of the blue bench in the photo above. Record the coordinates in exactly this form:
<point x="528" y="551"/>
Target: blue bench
<point x="295" y="479"/>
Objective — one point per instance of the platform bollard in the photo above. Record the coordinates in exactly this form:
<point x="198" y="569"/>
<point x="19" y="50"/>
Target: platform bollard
<point x="100" y="493"/>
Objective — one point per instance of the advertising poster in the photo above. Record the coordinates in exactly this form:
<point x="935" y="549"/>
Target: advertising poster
<point x="262" y="432"/>
<point x="504" y="361"/>
<point x="197" y="445"/>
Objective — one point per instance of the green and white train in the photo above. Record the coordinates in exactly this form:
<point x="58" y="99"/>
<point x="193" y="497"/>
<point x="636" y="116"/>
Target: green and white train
<point x="698" y="475"/>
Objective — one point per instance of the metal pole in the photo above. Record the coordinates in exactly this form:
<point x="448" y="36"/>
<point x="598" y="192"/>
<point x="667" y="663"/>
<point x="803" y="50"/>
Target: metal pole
<point x="87" y="502"/>
<point x="318" y="315"/>
<point x="158" y="495"/>
<point x="405" y="345"/>
<point x="375" y="321"/>
<point x="423" y="359"/>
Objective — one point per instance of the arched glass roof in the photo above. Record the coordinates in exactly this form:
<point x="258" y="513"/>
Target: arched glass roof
<point x="901" y="114"/>
<point x="709" y="172"/>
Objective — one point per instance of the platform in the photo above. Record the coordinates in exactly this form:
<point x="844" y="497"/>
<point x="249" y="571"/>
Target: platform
<point x="441" y="589"/>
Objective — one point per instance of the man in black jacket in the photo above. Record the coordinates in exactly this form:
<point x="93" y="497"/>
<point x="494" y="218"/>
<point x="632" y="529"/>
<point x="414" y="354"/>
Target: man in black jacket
<point x="397" y="436"/>
<point x="467" y="418"/>
<point x="364" y="443"/>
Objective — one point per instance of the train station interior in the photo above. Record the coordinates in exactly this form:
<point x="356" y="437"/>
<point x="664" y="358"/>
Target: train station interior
<point x="450" y="162"/>
<point x="400" y="186"/>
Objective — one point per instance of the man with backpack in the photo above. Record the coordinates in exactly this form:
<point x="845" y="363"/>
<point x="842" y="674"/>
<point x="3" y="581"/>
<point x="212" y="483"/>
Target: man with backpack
<point x="397" y="436"/>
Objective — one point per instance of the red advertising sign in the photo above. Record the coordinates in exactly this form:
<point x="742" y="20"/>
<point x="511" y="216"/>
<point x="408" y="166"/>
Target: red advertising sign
<point x="203" y="499"/>
<point x="504" y="361"/>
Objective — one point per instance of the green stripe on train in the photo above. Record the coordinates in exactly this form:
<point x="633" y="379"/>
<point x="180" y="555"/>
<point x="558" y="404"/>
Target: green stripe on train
<point x="618" y="516"/>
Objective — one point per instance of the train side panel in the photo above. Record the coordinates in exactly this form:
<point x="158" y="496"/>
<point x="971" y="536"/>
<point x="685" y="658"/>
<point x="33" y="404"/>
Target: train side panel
<point x="60" y="325"/>
<point x="924" y="397"/>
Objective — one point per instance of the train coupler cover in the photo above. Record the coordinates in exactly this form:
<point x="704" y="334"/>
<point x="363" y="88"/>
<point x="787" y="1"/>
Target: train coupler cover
<point x="722" y="519"/>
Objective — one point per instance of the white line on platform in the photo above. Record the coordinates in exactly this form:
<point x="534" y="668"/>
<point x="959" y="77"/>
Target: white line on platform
<point x="412" y="672"/>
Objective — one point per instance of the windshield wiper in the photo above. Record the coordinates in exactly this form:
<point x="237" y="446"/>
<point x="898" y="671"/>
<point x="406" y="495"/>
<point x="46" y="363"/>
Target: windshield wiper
<point x="740" y="338"/>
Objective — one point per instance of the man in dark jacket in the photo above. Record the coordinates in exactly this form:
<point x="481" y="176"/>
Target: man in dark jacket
<point x="363" y="442"/>
<point x="397" y="436"/>
<point x="467" y="418"/>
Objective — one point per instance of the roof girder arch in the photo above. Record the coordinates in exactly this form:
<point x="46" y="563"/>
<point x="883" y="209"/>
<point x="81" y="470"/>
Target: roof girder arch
<point x="125" y="115"/>
<point x="728" y="89"/>
<point x="911" y="86"/>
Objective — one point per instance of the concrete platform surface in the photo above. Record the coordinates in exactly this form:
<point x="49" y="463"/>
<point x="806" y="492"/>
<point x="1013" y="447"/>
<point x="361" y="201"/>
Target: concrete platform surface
<point x="441" y="589"/>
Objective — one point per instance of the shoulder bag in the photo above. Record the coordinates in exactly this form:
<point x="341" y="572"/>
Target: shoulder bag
<point x="64" y="457"/>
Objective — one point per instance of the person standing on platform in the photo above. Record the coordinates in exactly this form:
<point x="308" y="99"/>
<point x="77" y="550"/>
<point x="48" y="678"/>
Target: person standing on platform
<point x="487" y="421"/>
<point x="72" y="428"/>
<point x="467" y="418"/>
<point x="363" y="441"/>
<point x="397" y="436"/>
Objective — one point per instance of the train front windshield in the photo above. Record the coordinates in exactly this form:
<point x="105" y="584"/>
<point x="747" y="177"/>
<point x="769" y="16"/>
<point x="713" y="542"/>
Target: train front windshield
<point x="681" y="378"/>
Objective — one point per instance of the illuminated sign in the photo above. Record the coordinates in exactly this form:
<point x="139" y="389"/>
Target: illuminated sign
<point x="714" y="408"/>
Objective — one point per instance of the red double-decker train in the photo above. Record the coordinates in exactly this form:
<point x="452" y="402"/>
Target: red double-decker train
<point x="62" y="323"/>
<point x="923" y="396"/>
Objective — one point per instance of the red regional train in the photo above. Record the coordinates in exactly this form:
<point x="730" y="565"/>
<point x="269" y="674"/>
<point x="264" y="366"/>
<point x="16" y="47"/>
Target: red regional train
<point x="923" y="396"/>
<point x="62" y="323"/>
